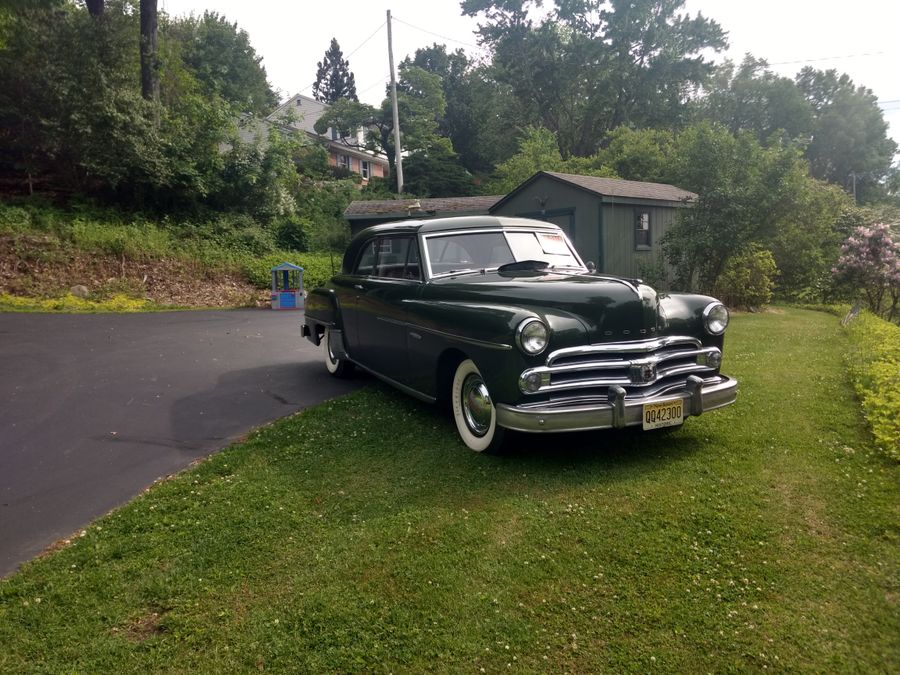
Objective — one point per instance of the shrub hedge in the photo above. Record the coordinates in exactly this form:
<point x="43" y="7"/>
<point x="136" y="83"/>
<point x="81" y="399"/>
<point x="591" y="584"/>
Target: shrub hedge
<point x="874" y="365"/>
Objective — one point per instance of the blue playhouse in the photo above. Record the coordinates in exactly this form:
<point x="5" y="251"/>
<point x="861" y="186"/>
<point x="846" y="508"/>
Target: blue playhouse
<point x="287" y="286"/>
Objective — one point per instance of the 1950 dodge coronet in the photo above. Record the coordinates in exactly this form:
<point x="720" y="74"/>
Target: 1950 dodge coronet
<point x="500" y="317"/>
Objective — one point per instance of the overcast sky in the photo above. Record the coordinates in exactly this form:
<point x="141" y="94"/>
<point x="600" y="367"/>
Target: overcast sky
<point x="859" y="38"/>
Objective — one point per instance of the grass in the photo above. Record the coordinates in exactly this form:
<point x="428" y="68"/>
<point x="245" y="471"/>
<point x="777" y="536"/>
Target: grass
<point x="362" y="536"/>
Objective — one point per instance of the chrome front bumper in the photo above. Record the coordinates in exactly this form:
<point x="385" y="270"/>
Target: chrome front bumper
<point x="618" y="411"/>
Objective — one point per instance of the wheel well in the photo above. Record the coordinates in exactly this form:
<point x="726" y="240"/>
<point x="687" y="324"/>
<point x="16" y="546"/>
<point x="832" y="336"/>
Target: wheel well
<point x="446" y="368"/>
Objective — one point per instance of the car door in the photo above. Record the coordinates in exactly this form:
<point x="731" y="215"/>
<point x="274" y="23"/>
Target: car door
<point x="382" y="331"/>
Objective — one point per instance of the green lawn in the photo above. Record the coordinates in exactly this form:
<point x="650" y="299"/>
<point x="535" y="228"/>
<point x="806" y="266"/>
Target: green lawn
<point x="362" y="536"/>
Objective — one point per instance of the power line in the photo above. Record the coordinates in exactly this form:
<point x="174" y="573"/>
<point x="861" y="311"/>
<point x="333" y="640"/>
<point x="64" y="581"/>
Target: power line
<point x="383" y="79"/>
<point x="365" y="41"/>
<point x="358" y="47"/>
<point x="827" y="58"/>
<point x="443" y="37"/>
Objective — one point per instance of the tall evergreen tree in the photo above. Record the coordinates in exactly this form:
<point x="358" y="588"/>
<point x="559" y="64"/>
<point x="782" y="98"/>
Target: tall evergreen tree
<point x="333" y="78"/>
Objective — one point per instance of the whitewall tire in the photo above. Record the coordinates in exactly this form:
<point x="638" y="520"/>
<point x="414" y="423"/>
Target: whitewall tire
<point x="337" y="367"/>
<point x="473" y="410"/>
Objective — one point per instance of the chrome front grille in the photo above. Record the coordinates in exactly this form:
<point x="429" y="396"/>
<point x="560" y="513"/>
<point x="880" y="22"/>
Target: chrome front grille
<point x="642" y="368"/>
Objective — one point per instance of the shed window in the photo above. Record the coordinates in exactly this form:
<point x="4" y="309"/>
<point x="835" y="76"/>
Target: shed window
<point x="642" y="230"/>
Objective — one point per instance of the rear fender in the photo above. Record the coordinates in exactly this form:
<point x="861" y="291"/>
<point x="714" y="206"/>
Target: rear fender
<point x="322" y="311"/>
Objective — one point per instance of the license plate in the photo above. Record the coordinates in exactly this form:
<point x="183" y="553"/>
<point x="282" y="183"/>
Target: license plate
<point x="663" y="414"/>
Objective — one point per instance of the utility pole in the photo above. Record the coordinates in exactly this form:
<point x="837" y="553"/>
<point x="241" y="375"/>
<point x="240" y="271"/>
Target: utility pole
<point x="398" y="160"/>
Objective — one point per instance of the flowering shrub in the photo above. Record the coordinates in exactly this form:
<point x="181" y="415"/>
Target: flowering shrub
<point x="70" y="303"/>
<point x="870" y="262"/>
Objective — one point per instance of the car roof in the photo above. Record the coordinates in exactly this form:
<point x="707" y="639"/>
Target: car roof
<point x="458" y="223"/>
<point x="435" y="225"/>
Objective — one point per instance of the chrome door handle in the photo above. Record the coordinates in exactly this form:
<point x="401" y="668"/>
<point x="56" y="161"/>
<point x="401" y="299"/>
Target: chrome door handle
<point x="358" y="287"/>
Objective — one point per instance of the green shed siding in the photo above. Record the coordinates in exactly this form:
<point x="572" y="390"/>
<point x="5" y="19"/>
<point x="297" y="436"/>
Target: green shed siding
<point x="602" y="227"/>
<point x="558" y="197"/>
<point x="619" y="241"/>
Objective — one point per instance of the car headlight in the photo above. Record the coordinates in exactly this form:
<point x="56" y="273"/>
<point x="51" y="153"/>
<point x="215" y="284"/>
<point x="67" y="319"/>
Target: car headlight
<point x="715" y="318"/>
<point x="532" y="336"/>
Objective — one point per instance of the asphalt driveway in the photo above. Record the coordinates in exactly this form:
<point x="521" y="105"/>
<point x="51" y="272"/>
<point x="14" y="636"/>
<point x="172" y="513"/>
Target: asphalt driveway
<point x="95" y="407"/>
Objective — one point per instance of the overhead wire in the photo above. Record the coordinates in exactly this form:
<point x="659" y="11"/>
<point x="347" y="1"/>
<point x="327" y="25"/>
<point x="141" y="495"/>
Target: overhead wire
<point x="443" y="37"/>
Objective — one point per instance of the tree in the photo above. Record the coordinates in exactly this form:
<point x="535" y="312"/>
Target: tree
<point x="747" y="193"/>
<point x="870" y="262"/>
<point x="219" y="55"/>
<point x="333" y="78"/>
<point x="753" y="98"/>
<point x="591" y="65"/>
<point x="481" y="114"/>
<point x="849" y="145"/>
<point x="149" y="51"/>
<point x="435" y="171"/>
<point x="539" y="151"/>
<point x="420" y="102"/>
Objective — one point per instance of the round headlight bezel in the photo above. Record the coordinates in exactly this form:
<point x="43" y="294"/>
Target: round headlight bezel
<point x="524" y="338"/>
<point x="709" y="318"/>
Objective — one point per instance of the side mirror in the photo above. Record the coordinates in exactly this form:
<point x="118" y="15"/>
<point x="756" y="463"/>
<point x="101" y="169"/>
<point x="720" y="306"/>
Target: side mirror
<point x="591" y="266"/>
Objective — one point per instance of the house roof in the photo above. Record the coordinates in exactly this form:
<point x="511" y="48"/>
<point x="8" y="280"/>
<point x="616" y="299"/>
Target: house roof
<point x="611" y="187"/>
<point x="360" y="210"/>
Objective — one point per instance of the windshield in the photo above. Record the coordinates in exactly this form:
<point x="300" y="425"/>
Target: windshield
<point x="475" y="251"/>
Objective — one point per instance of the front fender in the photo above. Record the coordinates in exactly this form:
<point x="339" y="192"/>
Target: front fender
<point x="683" y="315"/>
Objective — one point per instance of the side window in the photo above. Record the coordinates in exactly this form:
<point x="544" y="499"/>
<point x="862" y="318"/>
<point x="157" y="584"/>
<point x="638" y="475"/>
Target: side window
<point x="392" y="252"/>
<point x="642" y="230"/>
<point x="366" y="263"/>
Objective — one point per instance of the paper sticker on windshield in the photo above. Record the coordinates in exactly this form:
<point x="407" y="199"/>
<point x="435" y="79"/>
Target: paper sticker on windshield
<point x="553" y="244"/>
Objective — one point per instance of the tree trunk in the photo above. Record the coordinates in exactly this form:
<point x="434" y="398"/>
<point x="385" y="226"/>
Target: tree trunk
<point x="95" y="7"/>
<point x="149" y="52"/>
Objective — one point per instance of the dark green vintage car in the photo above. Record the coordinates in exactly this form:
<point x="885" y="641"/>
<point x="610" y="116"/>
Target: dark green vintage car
<point x="500" y="317"/>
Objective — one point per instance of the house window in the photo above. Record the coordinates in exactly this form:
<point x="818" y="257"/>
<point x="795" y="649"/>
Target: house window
<point x="642" y="230"/>
<point x="365" y="169"/>
<point x="344" y="161"/>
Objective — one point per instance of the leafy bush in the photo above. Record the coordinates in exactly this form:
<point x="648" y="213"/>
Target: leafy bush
<point x="747" y="279"/>
<point x="14" y="220"/>
<point x="874" y="365"/>
<point x="138" y="242"/>
<point x="292" y="235"/>
<point x="317" y="267"/>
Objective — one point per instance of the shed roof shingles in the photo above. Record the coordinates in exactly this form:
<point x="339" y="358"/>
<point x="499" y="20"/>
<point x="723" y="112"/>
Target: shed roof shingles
<point x="616" y="187"/>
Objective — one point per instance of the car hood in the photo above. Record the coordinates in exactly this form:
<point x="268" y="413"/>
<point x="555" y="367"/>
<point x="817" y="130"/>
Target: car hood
<point x="611" y="308"/>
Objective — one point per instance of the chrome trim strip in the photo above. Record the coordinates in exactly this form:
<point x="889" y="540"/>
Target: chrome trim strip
<point x="650" y="345"/>
<point x="411" y="327"/>
<point x="415" y="393"/>
<point x="539" y="418"/>
<point x="471" y="341"/>
<point x="626" y="378"/>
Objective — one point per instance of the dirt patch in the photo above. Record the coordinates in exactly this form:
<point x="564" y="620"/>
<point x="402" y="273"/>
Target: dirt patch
<point x="38" y="266"/>
<point x="142" y="628"/>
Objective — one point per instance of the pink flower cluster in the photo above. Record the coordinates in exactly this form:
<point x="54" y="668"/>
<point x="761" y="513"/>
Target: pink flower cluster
<point x="869" y="256"/>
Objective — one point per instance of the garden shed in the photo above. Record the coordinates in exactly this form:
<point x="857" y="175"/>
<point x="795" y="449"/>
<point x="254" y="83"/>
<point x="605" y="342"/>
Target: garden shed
<point x="617" y="224"/>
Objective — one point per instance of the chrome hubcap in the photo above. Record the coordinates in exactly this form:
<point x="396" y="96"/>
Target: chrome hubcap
<point x="476" y="404"/>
